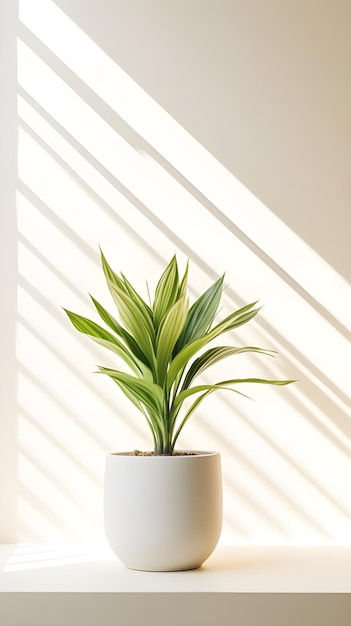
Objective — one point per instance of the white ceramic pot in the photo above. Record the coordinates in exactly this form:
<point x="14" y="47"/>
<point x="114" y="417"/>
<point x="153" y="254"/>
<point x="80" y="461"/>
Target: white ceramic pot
<point x="163" y="513"/>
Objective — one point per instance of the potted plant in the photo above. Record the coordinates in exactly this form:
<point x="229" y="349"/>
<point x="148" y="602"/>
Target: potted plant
<point x="163" y="509"/>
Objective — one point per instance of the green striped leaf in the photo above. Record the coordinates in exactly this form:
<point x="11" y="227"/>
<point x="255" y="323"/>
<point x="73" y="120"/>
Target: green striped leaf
<point x="236" y="319"/>
<point x="148" y="393"/>
<point x="224" y="385"/>
<point x="184" y="282"/>
<point x="138" y="324"/>
<point x="129" y="289"/>
<point x="117" y="284"/>
<point x="120" y="331"/>
<point x="169" y="331"/>
<point x="111" y="277"/>
<point x="155" y="431"/>
<point x="188" y="414"/>
<point x="103" y="338"/>
<point x="152" y="416"/>
<point x="201" y="315"/>
<point x="214" y="355"/>
<point x="166" y="292"/>
<point x="182" y="358"/>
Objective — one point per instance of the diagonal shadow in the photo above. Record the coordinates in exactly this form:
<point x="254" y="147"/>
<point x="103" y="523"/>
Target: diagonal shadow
<point x="255" y="506"/>
<point x="287" y="458"/>
<point x="209" y="206"/>
<point x="57" y="520"/>
<point x="137" y="141"/>
<point x="68" y="364"/>
<point x="237" y="233"/>
<point x="63" y="407"/>
<point x="320" y="400"/>
<point x="56" y="479"/>
<point x="81" y="88"/>
<point x="178" y="242"/>
<point x="208" y="270"/>
<point x="238" y="529"/>
<point x="270" y="330"/>
<point x="106" y="208"/>
<point x="26" y="243"/>
<point x="326" y="405"/>
<point x="250" y="244"/>
<point x="85" y="469"/>
<point x="232" y="449"/>
<point x="57" y="222"/>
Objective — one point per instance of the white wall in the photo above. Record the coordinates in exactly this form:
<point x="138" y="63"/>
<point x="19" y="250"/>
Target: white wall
<point x="219" y="130"/>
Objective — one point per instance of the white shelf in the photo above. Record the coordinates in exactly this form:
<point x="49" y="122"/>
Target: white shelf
<point x="259" y="585"/>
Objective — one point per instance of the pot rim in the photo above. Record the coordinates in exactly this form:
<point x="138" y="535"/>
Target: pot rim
<point x="182" y="454"/>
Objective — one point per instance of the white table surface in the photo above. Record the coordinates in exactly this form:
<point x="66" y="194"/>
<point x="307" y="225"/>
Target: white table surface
<point x="238" y="585"/>
<point x="68" y="568"/>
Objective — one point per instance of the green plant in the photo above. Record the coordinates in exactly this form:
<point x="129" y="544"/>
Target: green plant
<point x="158" y="342"/>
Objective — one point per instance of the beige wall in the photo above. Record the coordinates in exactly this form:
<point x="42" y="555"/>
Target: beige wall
<point x="263" y="85"/>
<point x="219" y="130"/>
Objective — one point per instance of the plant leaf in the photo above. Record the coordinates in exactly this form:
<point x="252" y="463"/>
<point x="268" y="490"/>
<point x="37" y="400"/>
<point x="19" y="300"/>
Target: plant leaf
<point x="188" y="414"/>
<point x="169" y="331"/>
<point x="241" y="316"/>
<point x="111" y="277"/>
<point x="213" y="355"/>
<point x="211" y="389"/>
<point x="149" y="393"/>
<point x="119" y="330"/>
<point x="166" y="292"/>
<point x="104" y="338"/>
<point x="179" y="399"/>
<point x="184" y="282"/>
<point x="152" y="419"/>
<point x="201" y="315"/>
<point x="237" y="318"/>
<point x="138" y="324"/>
<point x="117" y="284"/>
<point x="129" y="289"/>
